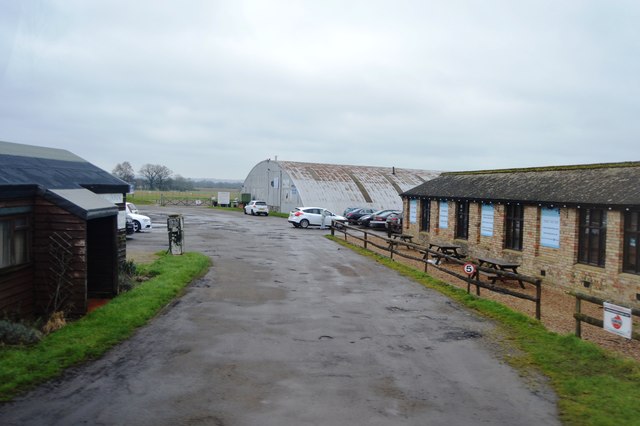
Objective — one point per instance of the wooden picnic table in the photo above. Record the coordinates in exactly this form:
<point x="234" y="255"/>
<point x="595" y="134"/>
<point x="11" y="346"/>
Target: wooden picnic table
<point x="403" y="237"/>
<point x="444" y="249"/>
<point x="393" y="238"/>
<point x="500" y="265"/>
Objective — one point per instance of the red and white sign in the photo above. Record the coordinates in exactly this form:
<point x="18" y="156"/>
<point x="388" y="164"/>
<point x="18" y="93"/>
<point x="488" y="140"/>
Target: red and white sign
<point x="469" y="268"/>
<point x="617" y="320"/>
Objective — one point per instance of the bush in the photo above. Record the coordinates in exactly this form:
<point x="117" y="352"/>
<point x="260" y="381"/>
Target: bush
<point x="12" y="333"/>
<point x="127" y="275"/>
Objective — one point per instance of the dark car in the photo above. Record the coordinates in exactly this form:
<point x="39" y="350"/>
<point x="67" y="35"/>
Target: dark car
<point x="349" y="209"/>
<point x="366" y="219"/>
<point x="354" y="215"/>
<point x="379" y="219"/>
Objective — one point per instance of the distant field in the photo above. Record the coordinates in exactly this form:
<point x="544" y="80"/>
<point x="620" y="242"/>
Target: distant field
<point x="153" y="197"/>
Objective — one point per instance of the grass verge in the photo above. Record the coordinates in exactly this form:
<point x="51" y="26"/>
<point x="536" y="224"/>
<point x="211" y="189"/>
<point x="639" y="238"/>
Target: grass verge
<point x="92" y="335"/>
<point x="594" y="386"/>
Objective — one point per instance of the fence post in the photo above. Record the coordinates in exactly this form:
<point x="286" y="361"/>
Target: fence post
<point x="365" y="239"/>
<point x="538" y="284"/>
<point x="578" y="323"/>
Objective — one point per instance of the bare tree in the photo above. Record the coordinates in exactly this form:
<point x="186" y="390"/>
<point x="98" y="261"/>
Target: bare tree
<point x="156" y="175"/>
<point x="124" y="171"/>
<point x="179" y="183"/>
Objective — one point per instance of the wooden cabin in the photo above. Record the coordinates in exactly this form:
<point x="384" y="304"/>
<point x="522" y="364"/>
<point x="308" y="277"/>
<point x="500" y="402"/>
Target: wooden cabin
<point x="62" y="231"/>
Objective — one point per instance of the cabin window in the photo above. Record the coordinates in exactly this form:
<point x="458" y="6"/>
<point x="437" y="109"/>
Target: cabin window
<point x="593" y="236"/>
<point x="426" y="215"/>
<point x="462" y="220"/>
<point x="631" y="236"/>
<point x="514" y="225"/>
<point x="14" y="241"/>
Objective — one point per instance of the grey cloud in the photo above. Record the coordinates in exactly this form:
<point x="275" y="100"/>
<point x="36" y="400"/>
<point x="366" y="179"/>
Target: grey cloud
<point x="211" y="88"/>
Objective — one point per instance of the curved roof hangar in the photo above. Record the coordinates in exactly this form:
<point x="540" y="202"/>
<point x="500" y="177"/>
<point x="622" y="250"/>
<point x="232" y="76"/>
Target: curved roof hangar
<point x="285" y="185"/>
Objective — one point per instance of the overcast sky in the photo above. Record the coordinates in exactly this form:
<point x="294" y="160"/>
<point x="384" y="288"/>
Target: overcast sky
<point x="210" y="88"/>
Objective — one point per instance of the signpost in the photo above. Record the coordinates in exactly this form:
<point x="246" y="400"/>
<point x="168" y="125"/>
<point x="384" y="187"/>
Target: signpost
<point x="617" y="320"/>
<point x="469" y="268"/>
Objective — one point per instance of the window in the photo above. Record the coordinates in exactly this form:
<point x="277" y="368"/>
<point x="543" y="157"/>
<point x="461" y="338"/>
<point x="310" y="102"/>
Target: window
<point x="593" y="235"/>
<point x="426" y="215"/>
<point x="462" y="220"/>
<point x="514" y="224"/>
<point x="14" y="241"/>
<point x="631" y="261"/>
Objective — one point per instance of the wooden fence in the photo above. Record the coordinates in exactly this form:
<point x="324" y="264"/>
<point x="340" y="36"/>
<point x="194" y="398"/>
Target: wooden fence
<point x="424" y="255"/>
<point x="189" y="202"/>
<point x="581" y="317"/>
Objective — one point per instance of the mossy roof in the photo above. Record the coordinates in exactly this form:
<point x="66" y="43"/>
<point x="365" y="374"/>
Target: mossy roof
<point x="612" y="184"/>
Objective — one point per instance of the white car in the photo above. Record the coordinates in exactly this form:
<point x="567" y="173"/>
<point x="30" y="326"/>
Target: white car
<point x="140" y="221"/>
<point x="255" y="207"/>
<point x="303" y="217"/>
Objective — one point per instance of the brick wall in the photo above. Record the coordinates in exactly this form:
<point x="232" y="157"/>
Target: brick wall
<point x="555" y="266"/>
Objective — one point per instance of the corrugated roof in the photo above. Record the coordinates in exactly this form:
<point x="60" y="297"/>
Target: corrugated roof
<point x="53" y="168"/>
<point x="340" y="185"/>
<point x="595" y="184"/>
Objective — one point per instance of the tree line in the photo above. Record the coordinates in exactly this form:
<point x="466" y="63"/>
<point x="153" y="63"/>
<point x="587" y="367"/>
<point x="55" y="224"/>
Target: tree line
<point x="161" y="178"/>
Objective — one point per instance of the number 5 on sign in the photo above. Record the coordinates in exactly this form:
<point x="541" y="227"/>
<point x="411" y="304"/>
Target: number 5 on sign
<point x="469" y="268"/>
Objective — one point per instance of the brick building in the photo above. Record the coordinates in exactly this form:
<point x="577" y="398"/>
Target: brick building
<point x="575" y="227"/>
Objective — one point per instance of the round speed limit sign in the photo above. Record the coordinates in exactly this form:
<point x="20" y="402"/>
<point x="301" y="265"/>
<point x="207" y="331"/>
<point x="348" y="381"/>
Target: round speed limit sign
<point x="469" y="268"/>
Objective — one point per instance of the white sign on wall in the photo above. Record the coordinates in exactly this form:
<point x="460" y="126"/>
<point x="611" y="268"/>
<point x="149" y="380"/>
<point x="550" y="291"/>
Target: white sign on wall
<point x="617" y="320"/>
<point x="443" y="222"/>
<point x="486" y="223"/>
<point x="550" y="227"/>
<point x="413" y="211"/>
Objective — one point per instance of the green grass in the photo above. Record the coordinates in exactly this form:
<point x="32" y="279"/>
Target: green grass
<point x="278" y="214"/>
<point x="144" y="197"/>
<point x="594" y="386"/>
<point x="91" y="336"/>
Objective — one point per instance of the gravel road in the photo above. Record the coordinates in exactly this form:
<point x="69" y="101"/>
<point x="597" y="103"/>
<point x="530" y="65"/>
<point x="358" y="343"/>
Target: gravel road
<point x="288" y="328"/>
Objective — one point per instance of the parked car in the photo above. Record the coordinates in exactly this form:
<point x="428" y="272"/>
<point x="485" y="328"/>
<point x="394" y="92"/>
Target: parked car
<point x="303" y="217"/>
<point x="394" y="223"/>
<point x="354" y="215"/>
<point x="364" y="220"/>
<point x="255" y="207"/>
<point x="379" y="219"/>
<point x="349" y="209"/>
<point x="140" y="221"/>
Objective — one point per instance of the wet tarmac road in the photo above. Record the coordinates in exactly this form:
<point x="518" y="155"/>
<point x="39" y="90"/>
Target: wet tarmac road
<point x="288" y="328"/>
